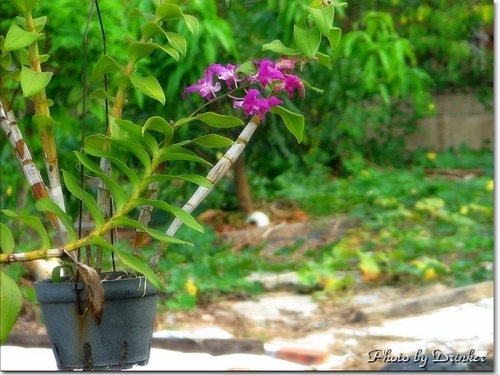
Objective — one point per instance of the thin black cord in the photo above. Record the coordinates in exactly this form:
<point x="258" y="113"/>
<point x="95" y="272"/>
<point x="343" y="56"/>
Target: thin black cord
<point x="106" y="108"/>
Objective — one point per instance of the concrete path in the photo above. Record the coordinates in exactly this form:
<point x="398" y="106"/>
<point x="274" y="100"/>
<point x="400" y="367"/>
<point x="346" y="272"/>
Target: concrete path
<point x="466" y="329"/>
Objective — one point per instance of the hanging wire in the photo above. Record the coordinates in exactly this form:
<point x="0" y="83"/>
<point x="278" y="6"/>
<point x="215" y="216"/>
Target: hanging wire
<point x="94" y="4"/>
<point x="106" y="109"/>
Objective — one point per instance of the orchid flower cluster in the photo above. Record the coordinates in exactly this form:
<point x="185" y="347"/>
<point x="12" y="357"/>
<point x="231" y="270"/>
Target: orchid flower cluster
<point x="277" y="75"/>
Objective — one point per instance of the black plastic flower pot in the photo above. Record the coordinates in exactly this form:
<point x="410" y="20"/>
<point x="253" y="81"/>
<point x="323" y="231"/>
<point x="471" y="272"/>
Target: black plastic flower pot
<point x="123" y="338"/>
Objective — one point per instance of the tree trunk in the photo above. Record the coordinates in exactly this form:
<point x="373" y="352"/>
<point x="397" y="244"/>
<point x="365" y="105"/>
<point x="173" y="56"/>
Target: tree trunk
<point x="242" y="188"/>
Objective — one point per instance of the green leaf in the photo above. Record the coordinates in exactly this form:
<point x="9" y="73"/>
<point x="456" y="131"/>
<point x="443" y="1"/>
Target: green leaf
<point x="334" y="36"/>
<point x="43" y="121"/>
<point x="131" y="175"/>
<point x="324" y="60"/>
<point x="133" y="147"/>
<point x="159" y="124"/>
<point x="219" y="121"/>
<point x="179" y="153"/>
<point x="182" y="215"/>
<point x="46" y="205"/>
<point x="135" y="133"/>
<point x="278" y="47"/>
<point x="151" y="29"/>
<point x="149" y="86"/>
<point x="247" y="68"/>
<point x="294" y="122"/>
<point x="33" y="82"/>
<point x="308" y="86"/>
<point x="101" y="94"/>
<point x="7" y="242"/>
<point x="156" y="234"/>
<point x="119" y="196"/>
<point x="168" y="11"/>
<point x="137" y="265"/>
<point x="139" y="50"/>
<point x="11" y="300"/>
<point x="18" y="38"/>
<point x="87" y="199"/>
<point x="192" y="24"/>
<point x="24" y="6"/>
<point x="177" y="41"/>
<point x="197" y="179"/>
<point x="323" y="17"/>
<point x="105" y="65"/>
<point x="34" y="223"/>
<point x="308" y="40"/>
<point x="213" y="141"/>
<point x="5" y="60"/>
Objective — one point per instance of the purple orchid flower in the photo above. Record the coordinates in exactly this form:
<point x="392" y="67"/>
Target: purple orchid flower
<point x="227" y="74"/>
<point x="252" y="105"/>
<point x="292" y="83"/>
<point x="286" y="65"/>
<point x="268" y="71"/>
<point x="205" y="86"/>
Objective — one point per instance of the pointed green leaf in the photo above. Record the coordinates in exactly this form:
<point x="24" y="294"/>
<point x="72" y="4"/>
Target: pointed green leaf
<point x="149" y="86"/>
<point x="177" y="41"/>
<point x="160" y="125"/>
<point x="46" y="205"/>
<point x="156" y="234"/>
<point x="324" y="60"/>
<point x="139" y="50"/>
<point x="135" y="132"/>
<point x="87" y="199"/>
<point x="183" y="121"/>
<point x="43" y="121"/>
<point x="247" y="68"/>
<point x="7" y="242"/>
<point x="137" y="265"/>
<point x="33" y="82"/>
<point x="131" y="262"/>
<point x="101" y="94"/>
<point x="294" y="122"/>
<point x="105" y="65"/>
<point x="34" y="223"/>
<point x="119" y="196"/>
<point x="308" y="40"/>
<point x="219" y="121"/>
<point x="197" y="179"/>
<point x="323" y="17"/>
<point x="168" y="11"/>
<point x="151" y="29"/>
<point x="131" y="175"/>
<point x="182" y="215"/>
<point x="171" y="51"/>
<point x="213" y="141"/>
<point x="308" y="86"/>
<point x="179" y="153"/>
<point x="18" y="38"/>
<point x="24" y="6"/>
<point x="278" y="47"/>
<point x="192" y="24"/>
<point x="133" y="147"/>
<point x="11" y="300"/>
<point x="334" y="36"/>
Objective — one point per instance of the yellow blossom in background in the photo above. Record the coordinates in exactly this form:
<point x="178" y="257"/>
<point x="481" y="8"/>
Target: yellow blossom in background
<point x="431" y="156"/>
<point x="191" y="288"/>
<point x="464" y="210"/>
<point x="490" y="185"/>
<point x="9" y="190"/>
<point x="430" y="274"/>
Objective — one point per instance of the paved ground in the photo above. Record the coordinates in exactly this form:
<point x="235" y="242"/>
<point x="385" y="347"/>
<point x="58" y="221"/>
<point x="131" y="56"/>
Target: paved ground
<point x="466" y="329"/>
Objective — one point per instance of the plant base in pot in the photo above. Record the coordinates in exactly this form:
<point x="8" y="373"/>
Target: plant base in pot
<point x="121" y="340"/>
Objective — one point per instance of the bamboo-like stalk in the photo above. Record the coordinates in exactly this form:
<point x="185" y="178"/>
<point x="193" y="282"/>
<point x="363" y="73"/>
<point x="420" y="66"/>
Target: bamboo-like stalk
<point x="214" y="176"/>
<point x="32" y="174"/>
<point x="146" y="212"/>
<point x="41" y="106"/>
